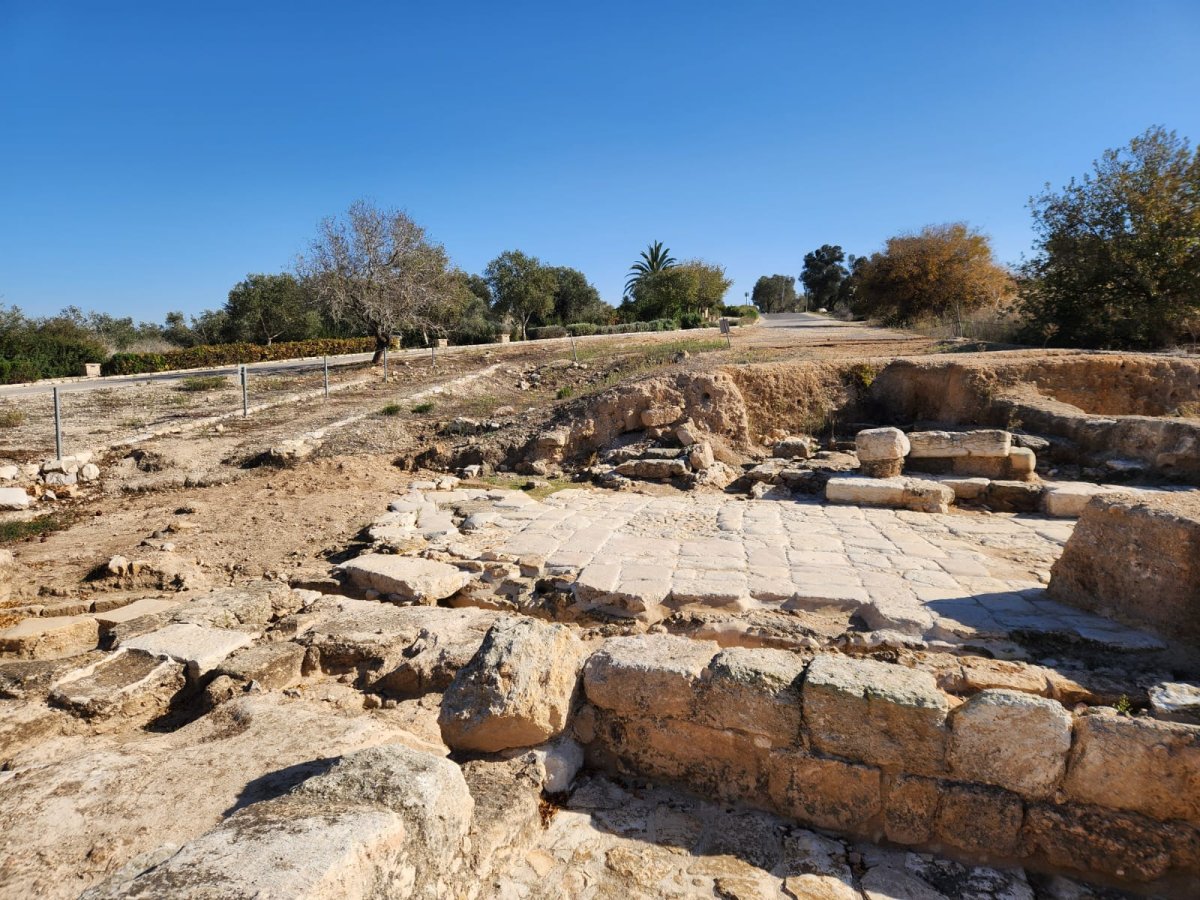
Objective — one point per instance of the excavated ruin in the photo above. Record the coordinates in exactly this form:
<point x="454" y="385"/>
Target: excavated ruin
<point x="883" y="629"/>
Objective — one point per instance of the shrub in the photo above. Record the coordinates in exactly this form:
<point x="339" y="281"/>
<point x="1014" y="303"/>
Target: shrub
<point x="35" y="353"/>
<point x="547" y="331"/>
<point x="741" y="311"/>
<point x="565" y="392"/>
<point x="422" y="408"/>
<point x="232" y="354"/>
<point x="691" y="320"/>
<point x="201" y="383"/>
<point x="583" y="329"/>
<point x="392" y="409"/>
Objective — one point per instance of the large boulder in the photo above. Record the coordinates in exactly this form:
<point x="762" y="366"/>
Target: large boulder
<point x="516" y="691"/>
<point x="409" y="578"/>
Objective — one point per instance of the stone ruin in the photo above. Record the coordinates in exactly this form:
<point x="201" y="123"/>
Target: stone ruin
<point x="899" y="662"/>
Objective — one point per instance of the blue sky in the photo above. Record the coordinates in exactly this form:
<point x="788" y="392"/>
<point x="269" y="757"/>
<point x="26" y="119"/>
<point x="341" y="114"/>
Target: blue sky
<point x="152" y="154"/>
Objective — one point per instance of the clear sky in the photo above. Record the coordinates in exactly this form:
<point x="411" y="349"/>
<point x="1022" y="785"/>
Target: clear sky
<point x="153" y="153"/>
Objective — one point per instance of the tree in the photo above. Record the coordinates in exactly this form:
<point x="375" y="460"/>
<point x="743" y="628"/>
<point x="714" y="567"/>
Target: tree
<point x="943" y="270"/>
<point x="654" y="259"/>
<point x="694" y="286"/>
<point x="774" y="294"/>
<point x="265" y="308"/>
<point x="1117" y="259"/>
<point x="824" y="274"/>
<point x="576" y="299"/>
<point x="522" y="288"/>
<point x="378" y="267"/>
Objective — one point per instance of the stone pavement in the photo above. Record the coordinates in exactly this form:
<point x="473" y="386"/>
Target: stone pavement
<point x="957" y="577"/>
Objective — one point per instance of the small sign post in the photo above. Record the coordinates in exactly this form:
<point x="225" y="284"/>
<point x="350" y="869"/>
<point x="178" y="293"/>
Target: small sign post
<point x="245" y="391"/>
<point x="725" y="331"/>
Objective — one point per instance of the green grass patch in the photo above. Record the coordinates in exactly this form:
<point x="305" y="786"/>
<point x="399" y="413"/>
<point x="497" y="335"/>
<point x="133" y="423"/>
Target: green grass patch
<point x="200" y="383"/>
<point x="565" y="392"/>
<point x="13" y="532"/>
<point x="392" y="409"/>
<point x="11" y="418"/>
<point x="421" y="408"/>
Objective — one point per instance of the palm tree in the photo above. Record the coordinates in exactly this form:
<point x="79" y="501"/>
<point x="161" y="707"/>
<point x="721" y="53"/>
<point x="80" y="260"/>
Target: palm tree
<point x="655" y="258"/>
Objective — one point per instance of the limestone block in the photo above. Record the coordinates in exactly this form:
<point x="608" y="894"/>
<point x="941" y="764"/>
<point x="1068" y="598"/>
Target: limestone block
<point x="1012" y="740"/>
<point x="1014" y="496"/>
<point x="50" y="637"/>
<point x="9" y="473"/>
<point x="910" y="809"/>
<point x="1021" y="461"/>
<point x="882" y="714"/>
<point x="416" y="580"/>
<point x="865" y="491"/>
<point x="967" y="488"/>
<point x="882" y="468"/>
<point x="146" y="606"/>
<point x="130" y="684"/>
<point x="654" y="469"/>
<point x="200" y="649"/>
<point x="1137" y="764"/>
<point x="985" y="443"/>
<point x="516" y="691"/>
<point x="881" y="443"/>
<point x="385" y="822"/>
<point x="1068" y="499"/>
<point x="1092" y="839"/>
<point x="648" y="675"/>
<point x="89" y="472"/>
<point x="688" y="433"/>
<point x="826" y="793"/>
<point x="979" y="820"/>
<point x="1176" y="702"/>
<point x="701" y="456"/>
<point x="756" y="691"/>
<point x="802" y="447"/>
<point x="61" y="479"/>
<point x="13" y="498"/>
<point x="272" y="666"/>
<point x="8" y="571"/>
<point x="660" y="416"/>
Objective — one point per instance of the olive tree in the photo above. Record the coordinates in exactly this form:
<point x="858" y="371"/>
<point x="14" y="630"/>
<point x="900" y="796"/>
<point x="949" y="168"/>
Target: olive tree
<point x="378" y="268"/>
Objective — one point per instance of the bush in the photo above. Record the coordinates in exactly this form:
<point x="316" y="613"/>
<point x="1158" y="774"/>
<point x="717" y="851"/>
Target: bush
<point x="205" y="356"/>
<point x="421" y="408"/>
<point x="29" y="355"/>
<point x="741" y="311"/>
<point x="583" y="329"/>
<point x="547" y="331"/>
<point x="392" y="409"/>
<point x="691" y="320"/>
<point x="200" y="383"/>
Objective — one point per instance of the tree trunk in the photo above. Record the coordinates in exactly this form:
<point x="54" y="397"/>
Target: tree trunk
<point x="382" y="340"/>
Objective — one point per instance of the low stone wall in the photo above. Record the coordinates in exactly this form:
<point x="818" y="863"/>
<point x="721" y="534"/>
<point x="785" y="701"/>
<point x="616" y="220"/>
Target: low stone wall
<point x="868" y="748"/>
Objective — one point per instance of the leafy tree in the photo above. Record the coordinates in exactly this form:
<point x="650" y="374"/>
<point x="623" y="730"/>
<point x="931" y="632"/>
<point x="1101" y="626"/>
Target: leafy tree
<point x="1117" y="259"/>
<point x="775" y="294"/>
<point x="263" y="309"/>
<point x="694" y="286"/>
<point x="576" y="299"/>
<point x="377" y="267"/>
<point x="55" y="347"/>
<point x="479" y="286"/>
<point x="654" y="259"/>
<point x="824" y="274"/>
<point x="522" y="288"/>
<point x="943" y="270"/>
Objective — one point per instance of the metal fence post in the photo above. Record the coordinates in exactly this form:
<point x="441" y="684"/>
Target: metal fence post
<point x="57" y="427"/>
<point x="245" y="392"/>
<point x="433" y="354"/>
<point x="573" y="353"/>
<point x="385" y="351"/>
<point x="327" y="378"/>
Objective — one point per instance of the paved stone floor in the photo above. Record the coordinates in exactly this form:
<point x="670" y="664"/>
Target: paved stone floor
<point x="955" y="577"/>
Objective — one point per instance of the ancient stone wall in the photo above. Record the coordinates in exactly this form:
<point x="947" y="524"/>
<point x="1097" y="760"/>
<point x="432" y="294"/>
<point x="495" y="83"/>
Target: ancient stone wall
<point x="874" y="749"/>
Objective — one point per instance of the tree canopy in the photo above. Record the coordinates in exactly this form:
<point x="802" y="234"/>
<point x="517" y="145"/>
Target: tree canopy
<point x="576" y="299"/>
<point x="694" y="286"/>
<point x="942" y="270"/>
<point x="378" y="267"/>
<point x="522" y="288"/>
<point x="1117" y="259"/>
<point x="775" y="294"/>
<point x="263" y="309"/>
<point x="824" y="275"/>
<point x="654" y="259"/>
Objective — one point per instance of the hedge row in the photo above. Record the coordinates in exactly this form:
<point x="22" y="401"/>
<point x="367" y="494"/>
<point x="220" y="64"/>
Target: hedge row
<point x="741" y="311"/>
<point x="206" y="356"/>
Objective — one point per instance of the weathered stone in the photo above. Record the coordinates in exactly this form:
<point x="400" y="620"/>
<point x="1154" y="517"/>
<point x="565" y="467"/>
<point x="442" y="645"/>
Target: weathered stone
<point x="1012" y="740"/>
<point x="910" y="809"/>
<point x="819" y="887"/>
<point x="826" y="793"/>
<point x="61" y="479"/>
<point x="516" y="691"/>
<point x="654" y="469"/>
<point x="1068" y="499"/>
<point x="1136" y="560"/>
<point x="917" y="494"/>
<point x="1092" y="839"/>
<point x="272" y="666"/>
<point x="701" y="456"/>
<point x="648" y="675"/>
<point x="1022" y="461"/>
<point x="959" y="443"/>
<point x="32" y="679"/>
<point x="882" y="714"/>
<point x="890" y="883"/>
<point x="416" y="580"/>
<point x="200" y="649"/>
<point x="801" y="447"/>
<point x="967" y="488"/>
<point x="756" y="691"/>
<point x="881" y="443"/>
<point x="659" y="416"/>
<point x="389" y="821"/>
<point x="980" y="820"/>
<point x="882" y="468"/>
<point x="50" y="637"/>
<point x="1138" y="764"/>
<point x="688" y="433"/>
<point x="12" y="498"/>
<point x="146" y="606"/>
<point x="8" y="571"/>
<point x="131" y="684"/>
<point x="1176" y="702"/>
<point x="89" y="472"/>
<point x="1014" y="496"/>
